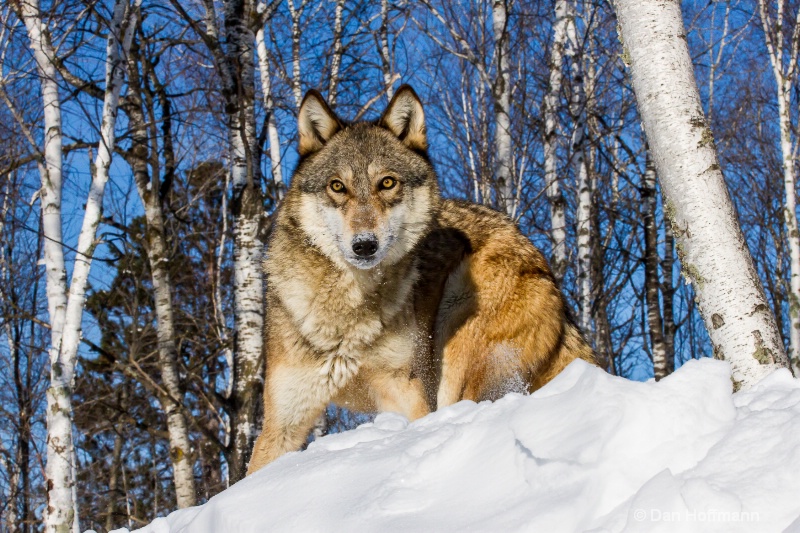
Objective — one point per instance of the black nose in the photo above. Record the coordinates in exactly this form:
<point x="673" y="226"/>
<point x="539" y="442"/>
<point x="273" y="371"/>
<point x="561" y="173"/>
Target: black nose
<point x="365" y="245"/>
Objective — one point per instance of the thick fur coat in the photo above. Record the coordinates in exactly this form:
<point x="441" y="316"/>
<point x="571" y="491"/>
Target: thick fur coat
<point x="382" y="296"/>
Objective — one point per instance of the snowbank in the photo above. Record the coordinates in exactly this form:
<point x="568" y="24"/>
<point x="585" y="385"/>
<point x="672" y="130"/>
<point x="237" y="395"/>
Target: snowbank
<point x="589" y="452"/>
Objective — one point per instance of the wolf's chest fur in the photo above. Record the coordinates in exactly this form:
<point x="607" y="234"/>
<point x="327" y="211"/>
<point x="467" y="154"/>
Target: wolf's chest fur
<point x="347" y="314"/>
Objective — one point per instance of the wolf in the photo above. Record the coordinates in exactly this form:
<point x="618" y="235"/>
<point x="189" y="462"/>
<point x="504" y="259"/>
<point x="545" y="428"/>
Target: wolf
<point x="383" y="296"/>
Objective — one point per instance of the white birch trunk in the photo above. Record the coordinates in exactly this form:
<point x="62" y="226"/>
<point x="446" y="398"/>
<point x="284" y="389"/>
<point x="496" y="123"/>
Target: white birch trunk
<point x="94" y="203"/>
<point x="249" y="318"/>
<point x="790" y="219"/>
<point x="269" y="110"/>
<point x="180" y="446"/>
<point x="170" y="395"/>
<point x="651" y="283"/>
<point x="248" y="211"/>
<point x="295" y="13"/>
<point x="65" y="315"/>
<point x="584" y="237"/>
<point x="466" y="114"/>
<point x="785" y="80"/>
<point x="558" y="218"/>
<point x="336" y="60"/>
<point x="711" y="246"/>
<point x="583" y="215"/>
<point x="501" y="91"/>
<point x="386" y="58"/>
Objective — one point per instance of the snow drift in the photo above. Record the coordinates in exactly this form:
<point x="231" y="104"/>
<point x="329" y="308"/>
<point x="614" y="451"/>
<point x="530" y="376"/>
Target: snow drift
<point x="588" y="452"/>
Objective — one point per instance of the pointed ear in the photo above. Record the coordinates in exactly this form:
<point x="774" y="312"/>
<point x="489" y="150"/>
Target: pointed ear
<point x="405" y="118"/>
<point x="316" y="123"/>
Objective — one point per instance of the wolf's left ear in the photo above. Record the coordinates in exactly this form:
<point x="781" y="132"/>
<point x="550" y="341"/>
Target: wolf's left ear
<point x="405" y="118"/>
<point x="316" y="123"/>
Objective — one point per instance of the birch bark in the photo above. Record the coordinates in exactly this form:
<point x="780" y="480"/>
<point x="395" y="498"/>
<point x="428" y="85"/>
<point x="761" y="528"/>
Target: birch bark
<point x="336" y="59"/>
<point x="558" y="219"/>
<point x="711" y="246"/>
<point x="785" y="72"/>
<point x="170" y="397"/>
<point x="386" y="58"/>
<point x="651" y="283"/>
<point x="295" y="12"/>
<point x="583" y="215"/>
<point x="65" y="308"/>
<point x="501" y="91"/>
<point x="269" y="108"/>
<point x="248" y="211"/>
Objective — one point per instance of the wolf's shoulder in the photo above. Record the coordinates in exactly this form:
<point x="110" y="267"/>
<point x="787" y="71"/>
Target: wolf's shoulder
<point x="478" y="222"/>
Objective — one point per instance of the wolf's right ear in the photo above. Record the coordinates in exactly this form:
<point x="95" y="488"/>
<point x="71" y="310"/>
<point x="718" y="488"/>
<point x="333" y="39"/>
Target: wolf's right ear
<point x="316" y="123"/>
<point x="405" y="118"/>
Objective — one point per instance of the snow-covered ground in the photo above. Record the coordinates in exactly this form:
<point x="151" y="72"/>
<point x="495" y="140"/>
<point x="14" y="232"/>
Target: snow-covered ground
<point x="588" y="452"/>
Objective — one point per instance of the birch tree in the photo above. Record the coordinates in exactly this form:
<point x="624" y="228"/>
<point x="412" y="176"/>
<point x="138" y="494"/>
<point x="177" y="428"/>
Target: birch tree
<point x="336" y="59"/>
<point x="248" y="213"/>
<point x="498" y="80"/>
<point x="583" y="215"/>
<point x="296" y="13"/>
<point x="234" y="62"/>
<point x="713" y="253"/>
<point x="655" y="322"/>
<point x="265" y="12"/>
<point x="775" y="20"/>
<point x="501" y="90"/>
<point x="148" y="184"/>
<point x="556" y="201"/>
<point x="65" y="306"/>
<point x="386" y="57"/>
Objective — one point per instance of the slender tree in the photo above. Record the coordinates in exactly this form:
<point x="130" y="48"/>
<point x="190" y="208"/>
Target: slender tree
<point x="65" y="306"/>
<point x="556" y="201"/>
<point x="655" y="321"/>
<point x="783" y="57"/>
<point x="711" y="245"/>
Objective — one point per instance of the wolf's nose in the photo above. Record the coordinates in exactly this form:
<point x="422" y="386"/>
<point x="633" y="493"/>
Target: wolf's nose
<point x="365" y="245"/>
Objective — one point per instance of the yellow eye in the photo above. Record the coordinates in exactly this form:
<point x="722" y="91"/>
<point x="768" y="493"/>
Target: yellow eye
<point x="337" y="186"/>
<point x="388" y="183"/>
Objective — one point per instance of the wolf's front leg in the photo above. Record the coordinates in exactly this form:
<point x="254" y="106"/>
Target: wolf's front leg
<point x="295" y="395"/>
<point x="397" y="392"/>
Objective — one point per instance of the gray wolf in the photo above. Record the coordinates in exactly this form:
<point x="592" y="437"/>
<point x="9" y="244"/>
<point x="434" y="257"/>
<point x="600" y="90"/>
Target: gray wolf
<point x="383" y="296"/>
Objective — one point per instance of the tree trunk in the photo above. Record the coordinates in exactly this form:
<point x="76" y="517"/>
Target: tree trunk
<point x="66" y="308"/>
<point x="171" y="396"/>
<point x="668" y="297"/>
<point x="711" y="246"/>
<point x="785" y="78"/>
<point x="180" y="446"/>
<point x="248" y="212"/>
<point x="655" y="323"/>
<point x="558" y="217"/>
<point x="269" y="111"/>
<point x="386" y="58"/>
<point x="501" y="91"/>
<point x="14" y="470"/>
<point x="583" y="215"/>
<point x="295" y="13"/>
<point x="336" y="59"/>
<point x="113" y="478"/>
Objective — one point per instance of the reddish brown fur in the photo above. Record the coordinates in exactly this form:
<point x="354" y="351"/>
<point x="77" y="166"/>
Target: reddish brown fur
<point x="462" y="307"/>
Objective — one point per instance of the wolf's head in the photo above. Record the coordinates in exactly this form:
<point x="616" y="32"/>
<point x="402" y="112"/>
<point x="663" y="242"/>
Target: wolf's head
<point x="364" y="193"/>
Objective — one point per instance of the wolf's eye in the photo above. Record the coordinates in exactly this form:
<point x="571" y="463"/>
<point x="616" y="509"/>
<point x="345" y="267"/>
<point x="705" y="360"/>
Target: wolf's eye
<point x="337" y="186"/>
<point x="387" y="183"/>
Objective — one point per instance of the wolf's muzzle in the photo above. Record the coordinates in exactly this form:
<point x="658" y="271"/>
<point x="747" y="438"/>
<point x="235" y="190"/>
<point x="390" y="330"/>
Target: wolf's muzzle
<point x="365" y="245"/>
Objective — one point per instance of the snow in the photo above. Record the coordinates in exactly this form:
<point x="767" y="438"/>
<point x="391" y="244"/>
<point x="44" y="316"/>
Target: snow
<point x="588" y="452"/>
